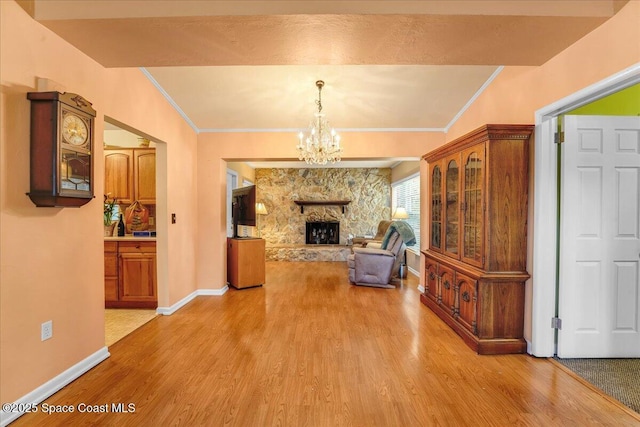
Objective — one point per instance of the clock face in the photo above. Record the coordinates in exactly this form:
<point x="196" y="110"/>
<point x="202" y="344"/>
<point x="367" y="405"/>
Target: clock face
<point x="74" y="130"/>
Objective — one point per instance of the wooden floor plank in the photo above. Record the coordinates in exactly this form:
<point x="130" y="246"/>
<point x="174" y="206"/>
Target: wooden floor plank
<point x="309" y="349"/>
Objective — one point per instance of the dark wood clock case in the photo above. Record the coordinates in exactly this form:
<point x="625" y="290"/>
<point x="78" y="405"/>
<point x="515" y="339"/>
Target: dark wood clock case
<point x="61" y="173"/>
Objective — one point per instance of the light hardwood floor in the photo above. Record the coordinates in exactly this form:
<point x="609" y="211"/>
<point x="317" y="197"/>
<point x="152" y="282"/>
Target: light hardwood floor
<point x="309" y="349"/>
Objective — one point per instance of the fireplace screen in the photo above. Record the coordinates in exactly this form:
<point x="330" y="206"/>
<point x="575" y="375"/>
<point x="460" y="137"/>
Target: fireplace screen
<point x="323" y="233"/>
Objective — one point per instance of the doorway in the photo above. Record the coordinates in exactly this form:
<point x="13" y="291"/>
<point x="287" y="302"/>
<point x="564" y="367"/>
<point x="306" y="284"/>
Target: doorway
<point x="131" y="272"/>
<point x="232" y="182"/>
<point x="543" y="260"/>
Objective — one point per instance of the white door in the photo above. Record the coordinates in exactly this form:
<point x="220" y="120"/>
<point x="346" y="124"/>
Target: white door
<point x="599" y="291"/>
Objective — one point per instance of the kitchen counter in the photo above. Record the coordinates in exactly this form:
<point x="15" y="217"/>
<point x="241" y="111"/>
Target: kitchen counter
<point x="129" y="238"/>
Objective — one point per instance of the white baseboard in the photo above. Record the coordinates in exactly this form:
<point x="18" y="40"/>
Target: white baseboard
<point x="415" y="273"/>
<point x="214" y="292"/>
<point x="167" y="311"/>
<point x="53" y="385"/>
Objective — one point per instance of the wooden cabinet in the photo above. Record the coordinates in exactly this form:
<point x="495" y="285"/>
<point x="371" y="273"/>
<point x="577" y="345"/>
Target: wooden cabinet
<point x="111" y="271"/>
<point x="144" y="175"/>
<point x="130" y="174"/>
<point x="118" y="175"/>
<point x="130" y="274"/>
<point x="245" y="262"/>
<point x="475" y="266"/>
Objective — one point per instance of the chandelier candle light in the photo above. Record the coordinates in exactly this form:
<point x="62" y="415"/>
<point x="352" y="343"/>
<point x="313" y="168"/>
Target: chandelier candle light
<point x="322" y="144"/>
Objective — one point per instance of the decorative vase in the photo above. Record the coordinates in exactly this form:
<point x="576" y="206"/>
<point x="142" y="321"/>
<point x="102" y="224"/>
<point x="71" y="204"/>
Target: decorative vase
<point x="108" y="229"/>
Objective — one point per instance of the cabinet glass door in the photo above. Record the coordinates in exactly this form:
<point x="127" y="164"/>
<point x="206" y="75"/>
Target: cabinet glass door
<point x="436" y="208"/>
<point x="452" y="187"/>
<point x="473" y="207"/>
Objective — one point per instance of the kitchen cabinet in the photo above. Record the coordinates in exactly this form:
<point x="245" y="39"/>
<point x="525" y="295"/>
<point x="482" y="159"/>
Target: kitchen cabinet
<point x="130" y="274"/>
<point x="130" y="174"/>
<point x="111" y="271"/>
<point x="475" y="264"/>
<point x="144" y="175"/>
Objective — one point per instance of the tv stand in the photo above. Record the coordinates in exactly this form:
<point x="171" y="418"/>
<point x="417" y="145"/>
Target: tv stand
<point x="245" y="262"/>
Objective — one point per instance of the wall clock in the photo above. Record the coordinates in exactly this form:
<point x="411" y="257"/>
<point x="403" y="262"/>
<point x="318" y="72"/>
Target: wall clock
<point x="61" y="149"/>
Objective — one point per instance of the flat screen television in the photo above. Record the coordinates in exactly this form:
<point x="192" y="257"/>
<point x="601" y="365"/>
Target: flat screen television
<point x="243" y="205"/>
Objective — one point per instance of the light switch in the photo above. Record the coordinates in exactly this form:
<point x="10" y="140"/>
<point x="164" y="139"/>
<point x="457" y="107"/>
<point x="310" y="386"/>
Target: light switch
<point x="173" y="218"/>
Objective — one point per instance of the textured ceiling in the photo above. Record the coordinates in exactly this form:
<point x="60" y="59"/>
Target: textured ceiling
<point x="252" y="65"/>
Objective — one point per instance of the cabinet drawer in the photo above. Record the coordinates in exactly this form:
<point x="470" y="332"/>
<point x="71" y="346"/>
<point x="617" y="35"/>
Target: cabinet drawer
<point x="138" y="247"/>
<point x="111" y="289"/>
<point x="111" y="246"/>
<point x="110" y="265"/>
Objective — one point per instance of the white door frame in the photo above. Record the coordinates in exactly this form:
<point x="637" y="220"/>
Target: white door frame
<point x="543" y="263"/>
<point x="232" y="182"/>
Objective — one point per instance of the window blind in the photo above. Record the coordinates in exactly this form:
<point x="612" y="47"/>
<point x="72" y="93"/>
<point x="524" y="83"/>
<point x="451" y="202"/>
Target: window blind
<point x="406" y="194"/>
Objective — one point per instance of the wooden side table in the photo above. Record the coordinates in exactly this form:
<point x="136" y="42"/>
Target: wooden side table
<point x="245" y="262"/>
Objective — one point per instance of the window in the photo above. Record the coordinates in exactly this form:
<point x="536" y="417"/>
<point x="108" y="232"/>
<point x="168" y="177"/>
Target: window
<point x="406" y="194"/>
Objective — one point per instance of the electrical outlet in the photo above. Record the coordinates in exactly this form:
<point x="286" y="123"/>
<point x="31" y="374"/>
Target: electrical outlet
<point x="46" y="330"/>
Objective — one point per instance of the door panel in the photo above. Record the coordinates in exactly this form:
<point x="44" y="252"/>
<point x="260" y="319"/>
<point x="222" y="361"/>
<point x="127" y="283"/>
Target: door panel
<point x="118" y="181"/>
<point x="452" y="206"/>
<point x="599" y="294"/>
<point x="467" y="302"/>
<point x="436" y="207"/>
<point x="431" y="270"/>
<point x="472" y="207"/>
<point x="447" y="293"/>
<point x="145" y="176"/>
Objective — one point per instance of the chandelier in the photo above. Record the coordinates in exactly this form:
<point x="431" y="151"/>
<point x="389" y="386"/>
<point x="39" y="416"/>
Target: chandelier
<point x="322" y="143"/>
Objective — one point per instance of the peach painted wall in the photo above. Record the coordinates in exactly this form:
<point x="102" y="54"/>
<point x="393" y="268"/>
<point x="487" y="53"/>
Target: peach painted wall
<point x="214" y="149"/>
<point x="52" y="261"/>
<point x="517" y="92"/>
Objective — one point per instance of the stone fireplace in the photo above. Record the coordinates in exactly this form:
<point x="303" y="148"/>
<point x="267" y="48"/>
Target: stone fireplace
<point x="286" y="226"/>
<point x="322" y="233"/>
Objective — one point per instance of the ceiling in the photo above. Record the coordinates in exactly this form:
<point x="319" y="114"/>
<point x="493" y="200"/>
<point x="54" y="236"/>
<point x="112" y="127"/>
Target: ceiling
<point x="387" y="65"/>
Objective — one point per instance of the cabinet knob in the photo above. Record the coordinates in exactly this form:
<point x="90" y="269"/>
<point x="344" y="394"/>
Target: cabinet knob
<point x="465" y="296"/>
<point x="447" y="285"/>
<point x="432" y="276"/>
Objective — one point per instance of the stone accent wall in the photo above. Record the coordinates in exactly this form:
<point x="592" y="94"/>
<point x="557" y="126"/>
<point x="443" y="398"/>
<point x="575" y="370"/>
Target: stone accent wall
<point x="369" y="190"/>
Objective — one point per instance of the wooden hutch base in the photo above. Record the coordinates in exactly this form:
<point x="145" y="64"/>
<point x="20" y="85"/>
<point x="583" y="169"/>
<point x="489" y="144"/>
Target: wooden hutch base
<point x="492" y="320"/>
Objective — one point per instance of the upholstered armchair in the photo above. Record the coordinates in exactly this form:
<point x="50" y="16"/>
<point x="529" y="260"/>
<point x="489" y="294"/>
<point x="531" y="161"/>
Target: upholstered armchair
<point x="383" y="226"/>
<point x="376" y="266"/>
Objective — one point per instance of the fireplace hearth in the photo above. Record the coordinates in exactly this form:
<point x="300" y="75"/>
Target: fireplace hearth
<point x="322" y="233"/>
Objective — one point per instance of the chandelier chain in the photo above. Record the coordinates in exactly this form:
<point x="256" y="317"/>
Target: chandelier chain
<point x="319" y="83"/>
